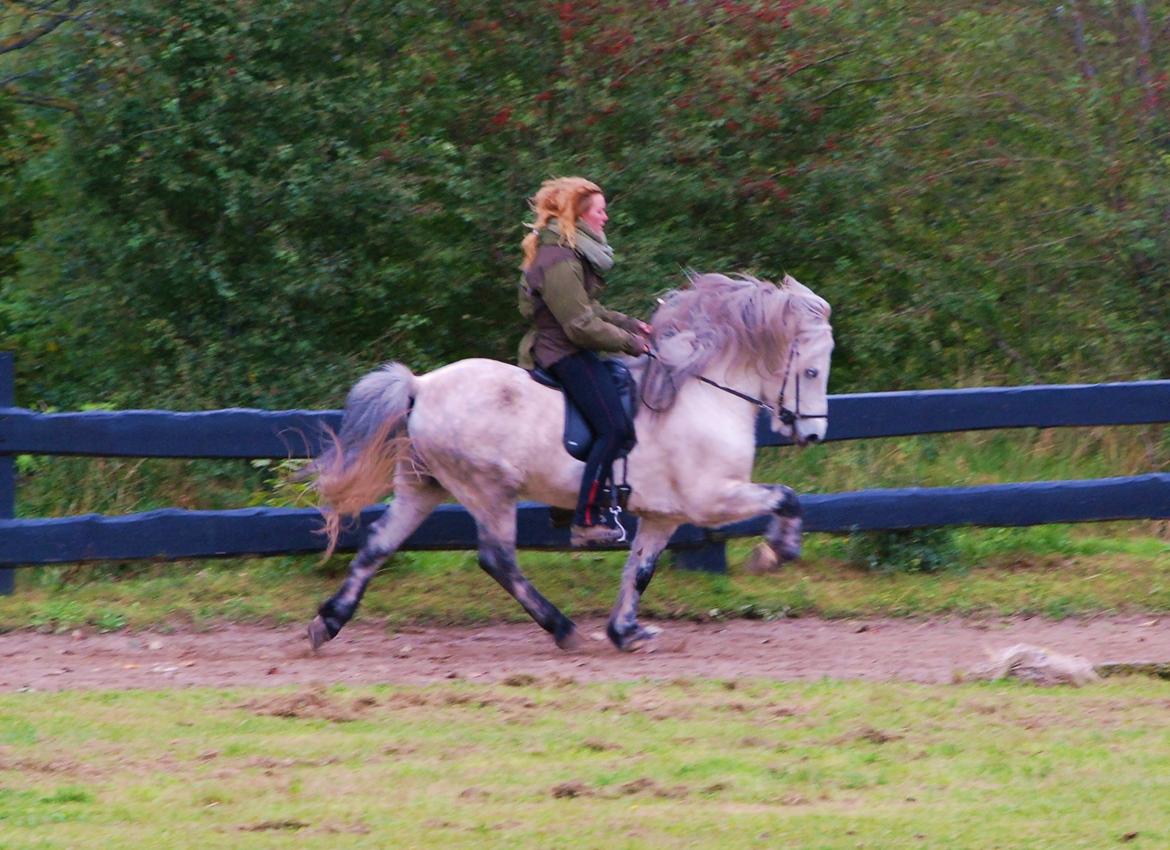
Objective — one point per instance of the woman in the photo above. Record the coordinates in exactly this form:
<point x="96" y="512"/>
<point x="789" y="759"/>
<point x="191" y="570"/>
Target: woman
<point x="565" y="257"/>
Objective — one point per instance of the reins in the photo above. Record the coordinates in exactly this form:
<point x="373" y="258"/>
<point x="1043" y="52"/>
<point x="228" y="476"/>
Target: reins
<point x="759" y="402"/>
<point x="788" y="417"/>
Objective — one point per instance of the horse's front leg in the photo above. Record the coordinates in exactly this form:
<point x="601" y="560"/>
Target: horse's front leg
<point x="785" y="529"/>
<point x="746" y="500"/>
<point x="623" y="628"/>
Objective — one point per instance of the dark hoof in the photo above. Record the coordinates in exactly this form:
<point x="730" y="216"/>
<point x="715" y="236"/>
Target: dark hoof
<point x="642" y="638"/>
<point x="319" y="633"/>
<point x="571" y="641"/>
<point x="787" y="552"/>
<point x="784" y="536"/>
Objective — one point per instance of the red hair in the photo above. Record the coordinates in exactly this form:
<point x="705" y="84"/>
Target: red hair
<point x="562" y="198"/>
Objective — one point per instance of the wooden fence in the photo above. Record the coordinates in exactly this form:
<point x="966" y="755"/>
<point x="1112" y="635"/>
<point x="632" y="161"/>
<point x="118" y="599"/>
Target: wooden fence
<point x="238" y="433"/>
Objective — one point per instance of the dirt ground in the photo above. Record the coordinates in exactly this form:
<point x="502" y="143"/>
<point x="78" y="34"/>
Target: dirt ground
<point x="366" y="653"/>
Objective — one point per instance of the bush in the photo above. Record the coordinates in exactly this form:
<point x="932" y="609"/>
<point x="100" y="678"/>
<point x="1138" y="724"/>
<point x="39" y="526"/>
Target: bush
<point x="917" y="550"/>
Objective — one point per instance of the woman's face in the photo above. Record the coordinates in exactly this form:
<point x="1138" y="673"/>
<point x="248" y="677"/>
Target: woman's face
<point x="595" y="216"/>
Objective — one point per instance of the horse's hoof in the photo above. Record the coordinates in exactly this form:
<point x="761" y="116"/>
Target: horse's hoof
<point x="789" y="552"/>
<point x="763" y="559"/>
<point x="318" y="633"/>
<point x="640" y="640"/>
<point x="784" y="536"/>
<point x="571" y="641"/>
<point x="786" y="546"/>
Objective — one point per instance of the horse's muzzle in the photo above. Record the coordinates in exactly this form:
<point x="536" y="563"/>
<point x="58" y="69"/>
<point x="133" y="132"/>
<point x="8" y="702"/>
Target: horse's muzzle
<point x="807" y="437"/>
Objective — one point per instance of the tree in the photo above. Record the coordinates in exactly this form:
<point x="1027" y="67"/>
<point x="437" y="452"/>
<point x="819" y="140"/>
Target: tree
<point x="26" y="27"/>
<point x="253" y="201"/>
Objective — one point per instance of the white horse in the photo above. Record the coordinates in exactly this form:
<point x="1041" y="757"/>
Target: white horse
<point x="487" y="434"/>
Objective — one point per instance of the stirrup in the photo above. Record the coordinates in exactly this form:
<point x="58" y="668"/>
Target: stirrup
<point x="616" y="513"/>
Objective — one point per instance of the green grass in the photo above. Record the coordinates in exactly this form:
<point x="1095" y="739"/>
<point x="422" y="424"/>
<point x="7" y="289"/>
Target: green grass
<point x="1054" y="571"/>
<point x="957" y="460"/>
<point x="733" y="764"/>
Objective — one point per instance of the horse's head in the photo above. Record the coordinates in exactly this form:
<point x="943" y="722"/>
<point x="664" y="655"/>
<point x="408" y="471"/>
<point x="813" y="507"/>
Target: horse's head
<point x="764" y="339"/>
<point x="802" y="380"/>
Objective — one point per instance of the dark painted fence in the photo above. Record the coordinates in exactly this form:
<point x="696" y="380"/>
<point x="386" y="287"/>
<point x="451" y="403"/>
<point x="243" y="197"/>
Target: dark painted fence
<point x="172" y="534"/>
<point x="7" y="467"/>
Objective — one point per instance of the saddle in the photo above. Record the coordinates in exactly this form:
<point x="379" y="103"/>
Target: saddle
<point x="578" y="438"/>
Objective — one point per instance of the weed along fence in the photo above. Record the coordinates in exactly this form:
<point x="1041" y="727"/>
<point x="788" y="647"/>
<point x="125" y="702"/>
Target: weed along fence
<point x="181" y="534"/>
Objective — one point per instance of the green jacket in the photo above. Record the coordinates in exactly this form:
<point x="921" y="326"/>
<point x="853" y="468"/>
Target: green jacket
<point x="558" y="294"/>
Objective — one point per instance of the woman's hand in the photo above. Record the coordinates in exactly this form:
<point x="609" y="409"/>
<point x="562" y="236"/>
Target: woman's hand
<point x="637" y="345"/>
<point x="646" y="331"/>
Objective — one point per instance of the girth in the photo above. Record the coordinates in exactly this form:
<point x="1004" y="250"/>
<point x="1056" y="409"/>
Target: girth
<point x="578" y="437"/>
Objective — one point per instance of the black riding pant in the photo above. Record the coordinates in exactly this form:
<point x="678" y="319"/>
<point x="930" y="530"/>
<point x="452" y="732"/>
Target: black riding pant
<point x="588" y="383"/>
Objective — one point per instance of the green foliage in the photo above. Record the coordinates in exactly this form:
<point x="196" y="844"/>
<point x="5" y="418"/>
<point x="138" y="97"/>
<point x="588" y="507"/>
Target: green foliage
<point x="282" y="487"/>
<point x="251" y="203"/>
<point x="919" y="550"/>
<point x="267" y="197"/>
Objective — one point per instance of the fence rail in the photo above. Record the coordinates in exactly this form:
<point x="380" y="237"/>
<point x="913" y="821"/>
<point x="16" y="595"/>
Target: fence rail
<point x="242" y="433"/>
<point x="173" y="533"/>
<point x="247" y="433"/>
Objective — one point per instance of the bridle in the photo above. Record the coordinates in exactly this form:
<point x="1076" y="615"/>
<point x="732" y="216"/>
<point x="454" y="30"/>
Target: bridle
<point x="788" y="416"/>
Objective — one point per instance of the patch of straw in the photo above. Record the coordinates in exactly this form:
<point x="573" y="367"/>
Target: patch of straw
<point x="1037" y="666"/>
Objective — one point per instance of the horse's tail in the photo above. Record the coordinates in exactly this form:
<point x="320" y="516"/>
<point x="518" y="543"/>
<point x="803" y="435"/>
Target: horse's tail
<point x="357" y="467"/>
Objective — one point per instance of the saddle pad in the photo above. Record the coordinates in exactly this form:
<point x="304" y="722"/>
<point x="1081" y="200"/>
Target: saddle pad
<point x="578" y="437"/>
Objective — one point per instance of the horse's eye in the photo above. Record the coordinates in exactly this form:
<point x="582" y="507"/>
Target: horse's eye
<point x="811" y="373"/>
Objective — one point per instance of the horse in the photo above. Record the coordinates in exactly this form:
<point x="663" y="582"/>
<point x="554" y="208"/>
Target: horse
<point x="486" y="434"/>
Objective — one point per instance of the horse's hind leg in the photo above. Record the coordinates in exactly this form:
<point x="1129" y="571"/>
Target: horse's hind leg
<point x="497" y="557"/>
<point x="623" y="628"/>
<point x="416" y="496"/>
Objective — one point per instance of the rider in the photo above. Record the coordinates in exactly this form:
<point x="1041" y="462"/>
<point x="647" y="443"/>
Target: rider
<point x="565" y="256"/>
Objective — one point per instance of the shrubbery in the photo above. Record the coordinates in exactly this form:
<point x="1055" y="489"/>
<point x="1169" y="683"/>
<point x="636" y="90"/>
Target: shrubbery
<point x="252" y="203"/>
<point x="919" y="550"/>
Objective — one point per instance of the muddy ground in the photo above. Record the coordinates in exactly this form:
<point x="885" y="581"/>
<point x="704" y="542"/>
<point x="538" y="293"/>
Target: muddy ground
<point x="366" y="652"/>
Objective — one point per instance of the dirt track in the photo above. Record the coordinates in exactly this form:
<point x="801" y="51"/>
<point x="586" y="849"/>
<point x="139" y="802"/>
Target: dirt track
<point x="365" y="653"/>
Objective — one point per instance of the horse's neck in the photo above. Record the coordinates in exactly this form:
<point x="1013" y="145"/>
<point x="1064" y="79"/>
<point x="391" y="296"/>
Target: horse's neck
<point x="733" y="411"/>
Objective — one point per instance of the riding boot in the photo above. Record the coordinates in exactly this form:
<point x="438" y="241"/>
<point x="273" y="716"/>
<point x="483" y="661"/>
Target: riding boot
<point x="594" y="535"/>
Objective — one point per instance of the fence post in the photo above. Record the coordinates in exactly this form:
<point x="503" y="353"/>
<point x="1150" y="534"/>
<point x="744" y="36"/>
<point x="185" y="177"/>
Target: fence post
<point x="7" y="473"/>
<point x="709" y="558"/>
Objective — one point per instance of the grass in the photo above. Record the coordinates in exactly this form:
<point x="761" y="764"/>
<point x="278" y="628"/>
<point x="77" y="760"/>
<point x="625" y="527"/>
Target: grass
<point x="1055" y="571"/>
<point x="729" y="764"/>
<point x="551" y="763"/>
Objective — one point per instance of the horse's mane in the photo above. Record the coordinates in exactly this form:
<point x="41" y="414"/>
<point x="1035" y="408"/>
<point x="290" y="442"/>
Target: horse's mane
<point x="713" y="315"/>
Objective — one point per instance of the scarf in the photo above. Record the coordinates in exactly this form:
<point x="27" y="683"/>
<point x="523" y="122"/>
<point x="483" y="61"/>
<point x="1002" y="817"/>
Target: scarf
<point x="592" y="246"/>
